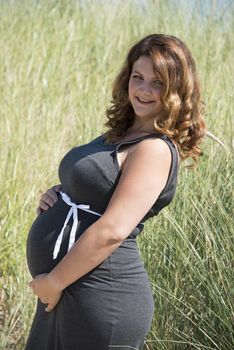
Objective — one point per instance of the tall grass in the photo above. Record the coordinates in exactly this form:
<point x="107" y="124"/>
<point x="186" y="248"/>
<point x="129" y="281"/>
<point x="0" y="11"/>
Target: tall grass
<point x="58" y="61"/>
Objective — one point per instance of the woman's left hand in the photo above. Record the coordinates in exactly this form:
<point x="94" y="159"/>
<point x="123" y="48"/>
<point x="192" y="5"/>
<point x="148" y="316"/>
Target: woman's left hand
<point x="47" y="291"/>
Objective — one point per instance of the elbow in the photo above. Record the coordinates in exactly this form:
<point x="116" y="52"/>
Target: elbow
<point x="111" y="233"/>
<point x="116" y="237"/>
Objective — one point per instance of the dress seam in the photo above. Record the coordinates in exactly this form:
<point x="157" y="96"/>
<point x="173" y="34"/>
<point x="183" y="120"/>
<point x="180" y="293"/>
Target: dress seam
<point x="112" y="307"/>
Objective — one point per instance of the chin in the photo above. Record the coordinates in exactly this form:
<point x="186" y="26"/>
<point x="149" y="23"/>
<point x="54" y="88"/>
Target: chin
<point x="144" y="115"/>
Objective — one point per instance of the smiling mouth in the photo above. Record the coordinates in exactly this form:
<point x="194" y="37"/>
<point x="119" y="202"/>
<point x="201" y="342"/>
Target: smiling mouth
<point x="143" y="102"/>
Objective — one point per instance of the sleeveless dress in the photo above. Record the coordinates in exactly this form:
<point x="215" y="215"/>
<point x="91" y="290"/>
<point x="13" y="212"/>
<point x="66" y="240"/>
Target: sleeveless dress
<point x="111" y="307"/>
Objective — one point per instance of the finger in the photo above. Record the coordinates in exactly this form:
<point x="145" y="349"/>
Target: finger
<point x="43" y="205"/>
<point x="47" y="199"/>
<point x="57" y="188"/>
<point x="49" y="307"/>
<point x="53" y="194"/>
<point x="39" y="211"/>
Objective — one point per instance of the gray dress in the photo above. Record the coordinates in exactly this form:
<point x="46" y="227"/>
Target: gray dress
<point x="111" y="307"/>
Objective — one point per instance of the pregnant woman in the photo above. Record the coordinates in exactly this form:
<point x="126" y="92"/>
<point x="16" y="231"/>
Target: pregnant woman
<point x="92" y="288"/>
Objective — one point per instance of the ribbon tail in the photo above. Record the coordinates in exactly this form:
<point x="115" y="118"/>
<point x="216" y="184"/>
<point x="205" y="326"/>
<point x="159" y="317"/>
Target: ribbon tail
<point x="74" y="228"/>
<point x="60" y="236"/>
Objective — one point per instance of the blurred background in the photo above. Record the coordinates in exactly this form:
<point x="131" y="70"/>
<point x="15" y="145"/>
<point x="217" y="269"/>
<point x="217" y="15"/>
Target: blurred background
<point x="58" y="60"/>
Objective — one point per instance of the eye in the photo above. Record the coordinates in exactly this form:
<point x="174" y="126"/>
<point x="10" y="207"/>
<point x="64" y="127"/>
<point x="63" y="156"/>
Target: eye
<point x="136" y="76"/>
<point x="157" y="82"/>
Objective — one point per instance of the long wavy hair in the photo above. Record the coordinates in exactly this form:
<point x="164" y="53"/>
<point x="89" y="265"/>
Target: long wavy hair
<point x="181" y="118"/>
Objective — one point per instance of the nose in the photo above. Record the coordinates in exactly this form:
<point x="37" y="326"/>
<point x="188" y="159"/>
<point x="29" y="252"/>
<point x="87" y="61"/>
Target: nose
<point x="145" y="89"/>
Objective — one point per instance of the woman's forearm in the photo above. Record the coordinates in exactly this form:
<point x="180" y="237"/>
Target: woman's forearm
<point x="92" y="248"/>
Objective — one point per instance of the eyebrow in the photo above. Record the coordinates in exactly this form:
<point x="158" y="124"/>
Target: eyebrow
<point x="135" y="71"/>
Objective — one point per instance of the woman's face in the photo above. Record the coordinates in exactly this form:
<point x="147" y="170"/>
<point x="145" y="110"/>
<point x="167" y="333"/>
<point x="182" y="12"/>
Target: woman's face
<point x="144" y="89"/>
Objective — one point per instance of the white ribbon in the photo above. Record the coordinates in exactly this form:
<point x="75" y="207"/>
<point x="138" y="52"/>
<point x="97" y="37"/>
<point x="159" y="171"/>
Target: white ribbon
<point x="72" y="212"/>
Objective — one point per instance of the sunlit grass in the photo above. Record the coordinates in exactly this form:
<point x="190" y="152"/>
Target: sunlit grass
<point x="58" y="61"/>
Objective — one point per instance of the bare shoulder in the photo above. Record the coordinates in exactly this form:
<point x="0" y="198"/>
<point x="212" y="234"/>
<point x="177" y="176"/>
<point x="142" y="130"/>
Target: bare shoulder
<point x="150" y="152"/>
<point x="155" y="145"/>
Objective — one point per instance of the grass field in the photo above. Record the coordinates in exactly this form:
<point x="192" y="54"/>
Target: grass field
<point x="58" y="61"/>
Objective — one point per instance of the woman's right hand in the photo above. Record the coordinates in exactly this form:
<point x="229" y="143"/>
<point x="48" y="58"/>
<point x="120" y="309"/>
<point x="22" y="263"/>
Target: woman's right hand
<point x="48" y="199"/>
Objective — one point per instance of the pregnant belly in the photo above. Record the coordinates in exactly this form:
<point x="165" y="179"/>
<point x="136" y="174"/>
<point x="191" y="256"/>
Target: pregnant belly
<point x="42" y="237"/>
<point x="44" y="233"/>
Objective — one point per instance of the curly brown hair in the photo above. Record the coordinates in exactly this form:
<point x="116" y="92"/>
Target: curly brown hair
<point x="182" y="116"/>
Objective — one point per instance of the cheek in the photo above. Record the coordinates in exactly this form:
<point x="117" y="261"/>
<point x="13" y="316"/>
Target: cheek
<point x="158" y="92"/>
<point x="132" y="88"/>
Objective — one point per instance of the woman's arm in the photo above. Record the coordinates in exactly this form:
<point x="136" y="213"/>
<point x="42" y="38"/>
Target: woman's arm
<point x="143" y="178"/>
